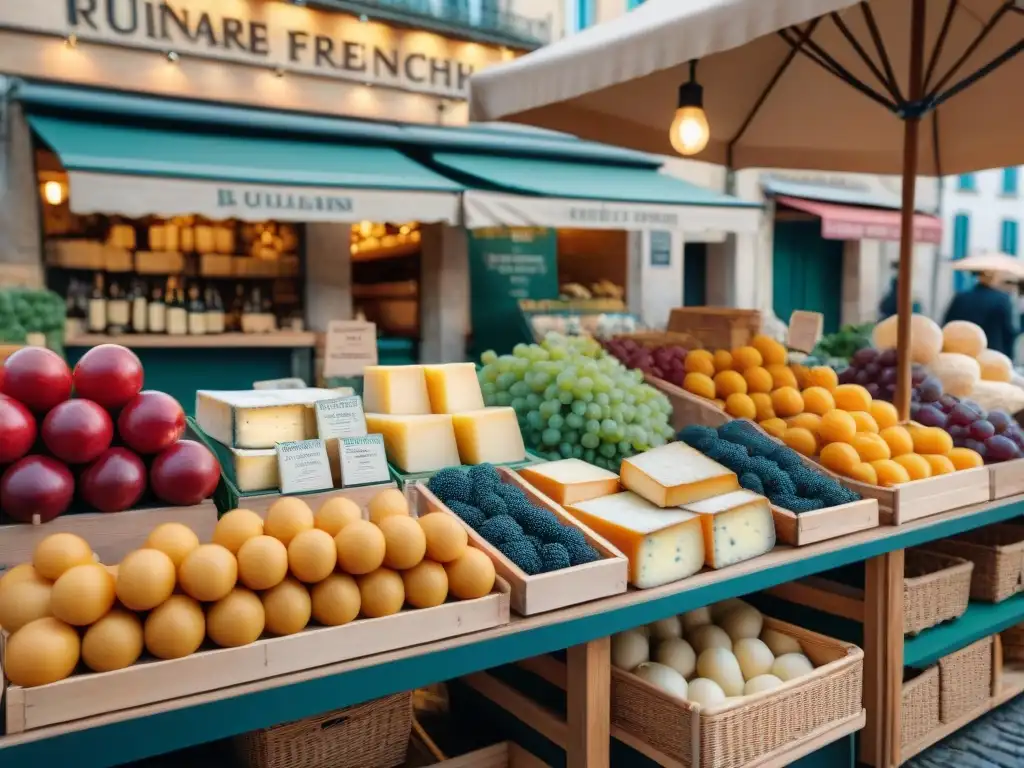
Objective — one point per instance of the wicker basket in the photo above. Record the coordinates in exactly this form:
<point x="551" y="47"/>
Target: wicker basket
<point x="920" y="706"/>
<point x="370" y="735"/>
<point x="717" y="327"/>
<point x="732" y="735"/>
<point x="997" y="552"/>
<point x="936" y="588"/>
<point x="1013" y="643"/>
<point x="965" y="680"/>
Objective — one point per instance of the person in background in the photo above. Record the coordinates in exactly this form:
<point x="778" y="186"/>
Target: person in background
<point x="887" y="307"/>
<point x="990" y="308"/>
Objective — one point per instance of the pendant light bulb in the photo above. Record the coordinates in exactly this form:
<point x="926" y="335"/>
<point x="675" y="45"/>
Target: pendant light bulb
<point x="53" y="192"/>
<point x="690" y="132"/>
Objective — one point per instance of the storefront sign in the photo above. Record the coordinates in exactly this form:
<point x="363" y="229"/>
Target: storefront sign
<point x="506" y="265"/>
<point x="351" y="346"/>
<point x="303" y="466"/>
<point x="264" y="33"/>
<point x="660" y="248"/>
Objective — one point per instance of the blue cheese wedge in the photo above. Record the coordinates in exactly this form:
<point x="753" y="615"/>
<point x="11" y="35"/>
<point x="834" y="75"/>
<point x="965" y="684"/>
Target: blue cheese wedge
<point x="737" y="526"/>
<point x="259" y="419"/>
<point x="676" y="474"/>
<point x="662" y="545"/>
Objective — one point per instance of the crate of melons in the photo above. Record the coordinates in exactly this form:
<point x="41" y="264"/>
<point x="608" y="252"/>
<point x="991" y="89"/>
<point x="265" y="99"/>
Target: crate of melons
<point x="809" y="504"/>
<point x="549" y="559"/>
<point x="264" y="598"/>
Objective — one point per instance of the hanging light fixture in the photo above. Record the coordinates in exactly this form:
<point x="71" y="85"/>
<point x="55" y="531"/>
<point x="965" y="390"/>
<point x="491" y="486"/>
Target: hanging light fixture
<point x="690" y="132"/>
<point x="53" y="192"/>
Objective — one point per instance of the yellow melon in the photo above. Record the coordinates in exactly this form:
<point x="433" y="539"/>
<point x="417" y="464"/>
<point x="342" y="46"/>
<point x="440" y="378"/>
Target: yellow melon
<point x="312" y="555"/>
<point x="145" y="578"/>
<point x="82" y="595"/>
<point x="470" y="576"/>
<point x="23" y="572"/>
<point x="113" y="642"/>
<point x="387" y="504"/>
<point x="446" y="538"/>
<point x="24" y="602"/>
<point x="58" y="552"/>
<point x="174" y="540"/>
<point x="175" y="628"/>
<point x="286" y="517"/>
<point x="287" y="607"/>
<point x="361" y="547"/>
<point x="336" y="600"/>
<point x="262" y="562"/>
<point x="208" y="573"/>
<point x="236" y="619"/>
<point x="42" y="652"/>
<point x="335" y="513"/>
<point x="405" y="544"/>
<point x="381" y="593"/>
<point x="426" y="585"/>
<point x="236" y="527"/>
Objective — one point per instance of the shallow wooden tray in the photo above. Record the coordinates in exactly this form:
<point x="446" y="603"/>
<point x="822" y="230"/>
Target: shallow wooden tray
<point x="151" y="681"/>
<point x="904" y="503"/>
<point x="822" y="524"/>
<point x="545" y="591"/>
<point x="1006" y="478"/>
<point x="687" y="408"/>
<point x="361" y="495"/>
<point x="112" y="535"/>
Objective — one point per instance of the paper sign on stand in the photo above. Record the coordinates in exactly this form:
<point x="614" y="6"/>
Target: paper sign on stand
<point x="351" y="346"/>
<point x="363" y="461"/>
<point x="290" y="383"/>
<point x="805" y="330"/>
<point x="340" y="417"/>
<point x="303" y="466"/>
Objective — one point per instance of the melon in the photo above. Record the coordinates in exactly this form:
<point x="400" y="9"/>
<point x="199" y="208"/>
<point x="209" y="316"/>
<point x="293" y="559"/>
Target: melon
<point x="446" y="538"/>
<point x="173" y="539"/>
<point x="382" y="593"/>
<point x="24" y="602"/>
<point x="361" y="546"/>
<point x="145" y="579"/>
<point x="336" y="600"/>
<point x="208" y="573"/>
<point x="405" y="544"/>
<point x="925" y="337"/>
<point x="176" y="628"/>
<point x="964" y="338"/>
<point x="995" y="366"/>
<point x="471" y="575"/>
<point x="42" y="652"/>
<point x="312" y="555"/>
<point x="82" y="595"/>
<point x="998" y="396"/>
<point x="237" y="527"/>
<point x="790" y="666"/>
<point x="262" y="562"/>
<point x="287" y="607"/>
<point x="59" y="552"/>
<point x="335" y="513"/>
<point x="426" y="584"/>
<point x="286" y="517"/>
<point x="957" y="373"/>
<point x="113" y="642"/>
<point x="236" y="619"/>
<point x="387" y="503"/>
<point x="23" y="572"/>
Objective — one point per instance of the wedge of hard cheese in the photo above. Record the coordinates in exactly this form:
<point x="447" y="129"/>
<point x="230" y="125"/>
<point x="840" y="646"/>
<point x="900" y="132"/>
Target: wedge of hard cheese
<point x="416" y="443"/>
<point x="259" y="418"/>
<point x="662" y="545"/>
<point x="571" y="480"/>
<point x="737" y="526"/>
<point x="676" y="474"/>
<point x="255" y="470"/>
<point x="489" y="435"/>
<point x="395" y="389"/>
<point x="453" y="388"/>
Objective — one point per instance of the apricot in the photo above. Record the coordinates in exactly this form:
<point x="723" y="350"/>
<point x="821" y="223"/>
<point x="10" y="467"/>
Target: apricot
<point x="965" y="458"/>
<point x="729" y="383"/>
<point x="699" y="361"/>
<point x="898" y="439"/>
<point x="772" y="352"/>
<point x="940" y="465"/>
<point x="852" y="397"/>
<point x="837" y="427"/>
<point x="870" y="447"/>
<point x="746" y="357"/>
<point x="740" y="406"/>
<point x="884" y="413"/>
<point x="931" y="440"/>
<point x="865" y="421"/>
<point x="818" y="400"/>
<point x="787" y="401"/>
<point x="863" y="473"/>
<point x="723" y="360"/>
<point x="763" y="403"/>
<point x="822" y="376"/>
<point x="802" y="374"/>
<point x="758" y="379"/>
<point x="719" y="403"/>
<point x="775" y="427"/>
<point x="801" y="440"/>
<point x="782" y="376"/>
<point x="890" y="473"/>
<point x="808" y="421"/>
<point x="699" y="384"/>
<point x="916" y="465"/>
<point x="840" y="457"/>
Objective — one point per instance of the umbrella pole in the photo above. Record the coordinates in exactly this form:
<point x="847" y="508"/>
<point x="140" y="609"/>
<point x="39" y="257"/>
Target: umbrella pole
<point x="911" y="132"/>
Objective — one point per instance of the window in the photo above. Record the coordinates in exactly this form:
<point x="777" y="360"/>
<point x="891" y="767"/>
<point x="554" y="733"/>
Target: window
<point x="582" y="14"/>
<point x="961" y="245"/>
<point x="965" y="183"/>
<point x="1008" y="241"/>
<point x="1010" y="182"/>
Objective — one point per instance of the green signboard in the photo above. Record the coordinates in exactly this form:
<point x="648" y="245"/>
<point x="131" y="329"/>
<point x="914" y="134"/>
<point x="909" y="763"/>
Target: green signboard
<point x="505" y="266"/>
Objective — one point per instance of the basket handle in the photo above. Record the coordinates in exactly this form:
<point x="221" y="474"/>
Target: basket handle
<point x="334" y="722"/>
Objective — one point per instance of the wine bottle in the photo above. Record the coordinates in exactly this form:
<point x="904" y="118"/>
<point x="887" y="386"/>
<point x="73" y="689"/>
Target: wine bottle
<point x="157" y="312"/>
<point x="140" y="307"/>
<point x="214" y="311"/>
<point x="196" y="312"/>
<point x="177" y="315"/>
<point x="98" y="305"/>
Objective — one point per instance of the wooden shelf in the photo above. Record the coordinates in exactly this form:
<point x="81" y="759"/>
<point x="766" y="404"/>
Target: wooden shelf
<point x="980" y="620"/>
<point x="212" y="341"/>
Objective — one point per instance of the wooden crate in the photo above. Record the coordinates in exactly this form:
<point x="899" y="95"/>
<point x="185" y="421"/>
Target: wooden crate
<point x="1006" y="478"/>
<point x="717" y="327"/>
<point x="545" y="591"/>
<point x="687" y="408"/>
<point x="823" y="524"/>
<point x="663" y="339"/>
<point x="152" y="681"/>
<point x="112" y="535"/>
<point x="923" y="498"/>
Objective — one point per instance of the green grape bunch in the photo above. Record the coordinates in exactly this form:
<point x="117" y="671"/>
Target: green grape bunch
<point x="573" y="400"/>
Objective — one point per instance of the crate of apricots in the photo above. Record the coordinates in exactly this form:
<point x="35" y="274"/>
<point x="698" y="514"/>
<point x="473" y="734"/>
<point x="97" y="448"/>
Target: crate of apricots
<point x="913" y="470"/>
<point x="179" y="617"/>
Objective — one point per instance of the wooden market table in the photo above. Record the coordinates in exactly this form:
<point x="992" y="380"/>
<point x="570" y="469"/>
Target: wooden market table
<point x="133" y="734"/>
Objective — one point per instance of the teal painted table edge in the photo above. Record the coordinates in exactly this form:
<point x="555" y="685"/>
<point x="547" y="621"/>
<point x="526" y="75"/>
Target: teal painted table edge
<point x="166" y="731"/>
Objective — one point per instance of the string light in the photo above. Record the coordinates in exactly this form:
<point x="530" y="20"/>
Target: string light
<point x="690" y="132"/>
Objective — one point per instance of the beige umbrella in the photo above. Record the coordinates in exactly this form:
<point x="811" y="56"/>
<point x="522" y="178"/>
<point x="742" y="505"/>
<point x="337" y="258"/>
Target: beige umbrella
<point x="825" y="84"/>
<point x="999" y="263"/>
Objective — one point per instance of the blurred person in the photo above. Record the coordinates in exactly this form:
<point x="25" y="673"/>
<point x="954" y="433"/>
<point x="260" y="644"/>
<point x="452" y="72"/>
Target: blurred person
<point x="990" y="308"/>
<point x="888" y="306"/>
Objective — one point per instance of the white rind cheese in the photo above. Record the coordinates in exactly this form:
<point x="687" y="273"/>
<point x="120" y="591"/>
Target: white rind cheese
<point x="661" y="545"/>
<point x="570" y="481"/>
<point x="255" y="470"/>
<point x="737" y="526"/>
<point x="676" y="474"/>
<point x="259" y="419"/>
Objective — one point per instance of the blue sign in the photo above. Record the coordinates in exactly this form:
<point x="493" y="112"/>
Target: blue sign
<point x="661" y="248"/>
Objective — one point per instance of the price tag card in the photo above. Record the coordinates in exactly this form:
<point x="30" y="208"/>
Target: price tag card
<point x="363" y="461"/>
<point x="303" y="466"/>
<point x="351" y="346"/>
<point x="805" y="329"/>
<point x="340" y="417"/>
<point x="280" y="384"/>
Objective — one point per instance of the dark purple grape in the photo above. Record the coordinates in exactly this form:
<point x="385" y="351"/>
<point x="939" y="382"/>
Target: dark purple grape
<point x="931" y="416"/>
<point x="978" y="411"/>
<point x="873" y="389"/>
<point x="931" y="390"/>
<point x="974" y="445"/>
<point x="888" y="358"/>
<point x="915" y="408"/>
<point x="917" y="375"/>
<point x="915" y="395"/>
<point x="887" y="376"/>
<point x="657" y="373"/>
<point x="949" y="401"/>
<point x="1001" y="420"/>
<point x="1001" y="448"/>
<point x="863" y="377"/>
<point x="873" y="370"/>
<point x="961" y="442"/>
<point x="962" y="416"/>
<point x="957" y="430"/>
<point x="981" y="430"/>
<point x="888" y="392"/>
<point x="864" y="356"/>
<point x="849" y="376"/>
<point x="1017" y="437"/>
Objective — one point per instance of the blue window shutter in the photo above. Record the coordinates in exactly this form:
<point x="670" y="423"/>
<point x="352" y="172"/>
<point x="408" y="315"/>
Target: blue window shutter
<point x="1008" y="243"/>
<point x="584" y="13"/>
<point x="961" y="245"/>
<point x="1010" y="181"/>
<point x="965" y="182"/>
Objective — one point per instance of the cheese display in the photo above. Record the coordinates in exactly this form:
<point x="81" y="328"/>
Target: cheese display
<point x="258" y="582"/>
<point x="571" y="480"/>
<point x="661" y="545"/>
<point x="253" y="470"/>
<point x="418" y="443"/>
<point x="489" y="435"/>
<point x="259" y="418"/>
<point x="453" y="388"/>
<point x="395" y="390"/>
<point x="737" y="526"/>
<point x="676" y="474"/>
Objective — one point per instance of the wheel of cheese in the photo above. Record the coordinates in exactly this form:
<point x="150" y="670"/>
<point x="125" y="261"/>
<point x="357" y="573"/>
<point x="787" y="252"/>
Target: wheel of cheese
<point x="405" y="544"/>
<point x="82" y="595"/>
<point x="446" y="538"/>
<point x="790" y="666"/>
<point x="381" y="593"/>
<point x="262" y="562"/>
<point x="41" y="652"/>
<point x="387" y="503"/>
<point x="24" y="602"/>
<point x="312" y="555"/>
<point x="754" y="656"/>
<point x="287" y="607"/>
<point x="208" y="572"/>
<point x="173" y="539"/>
<point x="695" y="618"/>
<point x="426" y="584"/>
<point x="19" y="573"/>
<point x="720" y="665"/>
<point x="470" y="576"/>
<point x="175" y="628"/>
<point x="663" y="629"/>
<point x="286" y="517"/>
<point x="779" y="643"/>
<point x="236" y="619"/>
<point x="709" y="636"/>
<point x="113" y="642"/>
<point x="678" y="654"/>
<point x="705" y="692"/>
<point x="743" y="621"/>
<point x="236" y="528"/>
<point x="361" y="546"/>
<point x="336" y="600"/>
<point x="761" y="683"/>
<point x="145" y="579"/>
<point x="335" y="513"/>
<point x="59" y="552"/>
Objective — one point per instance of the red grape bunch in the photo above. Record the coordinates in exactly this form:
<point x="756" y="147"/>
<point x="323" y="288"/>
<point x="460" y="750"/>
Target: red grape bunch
<point x="664" y="363"/>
